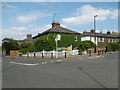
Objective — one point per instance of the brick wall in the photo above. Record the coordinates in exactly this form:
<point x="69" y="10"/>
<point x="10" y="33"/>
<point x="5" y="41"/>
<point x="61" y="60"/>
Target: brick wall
<point x="14" y="52"/>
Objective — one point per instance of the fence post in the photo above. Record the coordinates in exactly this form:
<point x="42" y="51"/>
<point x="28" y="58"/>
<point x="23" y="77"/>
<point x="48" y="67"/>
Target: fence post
<point x="42" y="55"/>
<point x="28" y="54"/>
<point x="102" y="50"/>
<point x="51" y="54"/>
<point x="89" y="53"/>
<point x="65" y="55"/>
<point x="99" y="52"/>
<point x="34" y="54"/>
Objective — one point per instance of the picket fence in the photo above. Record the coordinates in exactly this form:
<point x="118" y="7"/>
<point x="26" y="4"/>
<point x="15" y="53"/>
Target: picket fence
<point x="51" y="53"/>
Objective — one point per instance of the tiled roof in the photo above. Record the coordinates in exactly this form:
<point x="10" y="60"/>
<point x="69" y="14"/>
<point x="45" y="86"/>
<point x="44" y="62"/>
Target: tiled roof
<point x="99" y="35"/>
<point x="27" y="39"/>
<point x="58" y="30"/>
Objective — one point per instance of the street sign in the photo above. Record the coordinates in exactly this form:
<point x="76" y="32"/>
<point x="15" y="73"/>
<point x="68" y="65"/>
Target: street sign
<point x="58" y="37"/>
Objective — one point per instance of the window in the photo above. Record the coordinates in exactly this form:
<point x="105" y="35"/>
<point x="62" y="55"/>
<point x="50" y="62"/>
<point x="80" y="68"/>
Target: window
<point x="102" y="39"/>
<point x="108" y="39"/>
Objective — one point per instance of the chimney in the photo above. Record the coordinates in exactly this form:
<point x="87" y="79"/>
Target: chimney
<point x="55" y="24"/>
<point x="101" y="32"/>
<point x="108" y="32"/>
<point x="92" y="31"/>
<point x="29" y="36"/>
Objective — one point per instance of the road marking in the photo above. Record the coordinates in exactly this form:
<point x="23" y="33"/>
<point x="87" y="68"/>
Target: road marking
<point x="25" y="63"/>
<point x="80" y="58"/>
<point x="98" y="56"/>
<point x="59" y="60"/>
<point x="52" y="61"/>
<point x="43" y="62"/>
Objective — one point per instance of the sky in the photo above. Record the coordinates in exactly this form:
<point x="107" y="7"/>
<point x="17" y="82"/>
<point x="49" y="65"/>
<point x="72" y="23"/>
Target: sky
<point x="22" y="18"/>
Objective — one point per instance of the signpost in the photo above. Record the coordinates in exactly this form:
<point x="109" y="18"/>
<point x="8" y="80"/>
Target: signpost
<point x="57" y="38"/>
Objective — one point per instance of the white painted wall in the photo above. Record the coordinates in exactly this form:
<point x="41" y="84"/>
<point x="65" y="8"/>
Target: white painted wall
<point x="88" y="39"/>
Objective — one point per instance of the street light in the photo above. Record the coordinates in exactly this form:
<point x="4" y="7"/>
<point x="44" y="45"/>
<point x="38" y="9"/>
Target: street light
<point x="57" y="38"/>
<point x="95" y="30"/>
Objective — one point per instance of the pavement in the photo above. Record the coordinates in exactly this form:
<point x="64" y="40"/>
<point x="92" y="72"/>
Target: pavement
<point x="80" y="71"/>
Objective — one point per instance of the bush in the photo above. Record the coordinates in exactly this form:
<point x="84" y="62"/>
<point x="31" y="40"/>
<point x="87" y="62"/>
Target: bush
<point x="84" y="45"/>
<point x="24" y="50"/>
<point x="27" y="47"/>
<point x="113" y="46"/>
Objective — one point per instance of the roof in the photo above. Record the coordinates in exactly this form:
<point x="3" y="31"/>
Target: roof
<point x="27" y="39"/>
<point x="99" y="35"/>
<point x="58" y="30"/>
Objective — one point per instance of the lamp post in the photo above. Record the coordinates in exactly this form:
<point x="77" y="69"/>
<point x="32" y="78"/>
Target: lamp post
<point x="95" y="30"/>
<point x="57" y="38"/>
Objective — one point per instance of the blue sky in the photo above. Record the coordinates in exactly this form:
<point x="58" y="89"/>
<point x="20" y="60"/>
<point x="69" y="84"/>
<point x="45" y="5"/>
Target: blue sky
<point x="22" y="18"/>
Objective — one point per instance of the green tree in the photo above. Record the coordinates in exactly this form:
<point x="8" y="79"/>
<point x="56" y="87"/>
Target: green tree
<point x="114" y="46"/>
<point x="9" y="44"/>
<point x="43" y="45"/>
<point x="27" y="47"/>
<point x="84" y="45"/>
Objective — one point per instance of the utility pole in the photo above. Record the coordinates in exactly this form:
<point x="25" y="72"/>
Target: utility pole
<point x="54" y="16"/>
<point x="95" y="30"/>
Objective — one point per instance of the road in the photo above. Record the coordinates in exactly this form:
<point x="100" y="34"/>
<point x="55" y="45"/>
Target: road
<point x="99" y="72"/>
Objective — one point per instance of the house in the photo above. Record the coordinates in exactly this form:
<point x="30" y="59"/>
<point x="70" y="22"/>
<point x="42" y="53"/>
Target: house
<point x="28" y="39"/>
<point x="56" y="28"/>
<point x="69" y="36"/>
<point x="100" y="38"/>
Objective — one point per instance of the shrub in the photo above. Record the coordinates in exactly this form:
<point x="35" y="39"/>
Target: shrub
<point x="84" y="45"/>
<point x="27" y="47"/>
<point x="113" y="46"/>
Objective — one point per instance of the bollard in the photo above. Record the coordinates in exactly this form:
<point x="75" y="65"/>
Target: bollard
<point x="99" y="52"/>
<point x="51" y="54"/>
<point x="65" y="55"/>
<point x="42" y="55"/>
<point x="28" y="54"/>
<point x="89" y="53"/>
<point x="102" y="51"/>
<point x="34" y="54"/>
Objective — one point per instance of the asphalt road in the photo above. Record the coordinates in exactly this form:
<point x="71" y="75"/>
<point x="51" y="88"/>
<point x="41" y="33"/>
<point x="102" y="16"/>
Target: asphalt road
<point x="99" y="72"/>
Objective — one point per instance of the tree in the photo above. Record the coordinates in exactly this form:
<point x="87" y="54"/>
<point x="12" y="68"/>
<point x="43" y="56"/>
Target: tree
<point x="9" y="44"/>
<point x="84" y="45"/>
<point x="27" y="47"/>
<point x="43" y="45"/>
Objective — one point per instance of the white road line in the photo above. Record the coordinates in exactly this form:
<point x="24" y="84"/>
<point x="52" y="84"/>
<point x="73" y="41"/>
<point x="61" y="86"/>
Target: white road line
<point x="59" y="60"/>
<point x="25" y="63"/>
<point x="43" y="62"/>
<point x="80" y="58"/>
<point x="52" y="61"/>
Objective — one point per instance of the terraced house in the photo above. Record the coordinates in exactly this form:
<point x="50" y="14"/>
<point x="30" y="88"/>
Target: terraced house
<point x="100" y="38"/>
<point x="71" y="37"/>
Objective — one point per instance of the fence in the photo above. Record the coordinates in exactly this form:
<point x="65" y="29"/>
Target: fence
<point x="50" y="54"/>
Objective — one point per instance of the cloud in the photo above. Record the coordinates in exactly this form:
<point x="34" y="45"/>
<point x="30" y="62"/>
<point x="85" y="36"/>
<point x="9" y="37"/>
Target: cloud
<point x="114" y="13"/>
<point x="7" y="8"/>
<point x="20" y="33"/>
<point x="14" y="32"/>
<point x="85" y="14"/>
<point x="32" y="16"/>
<point x="40" y="29"/>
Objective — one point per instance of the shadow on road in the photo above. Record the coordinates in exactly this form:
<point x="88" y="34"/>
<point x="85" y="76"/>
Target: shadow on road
<point x="81" y="69"/>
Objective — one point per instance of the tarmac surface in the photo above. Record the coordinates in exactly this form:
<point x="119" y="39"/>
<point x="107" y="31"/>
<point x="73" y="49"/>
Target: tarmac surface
<point x="80" y="71"/>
